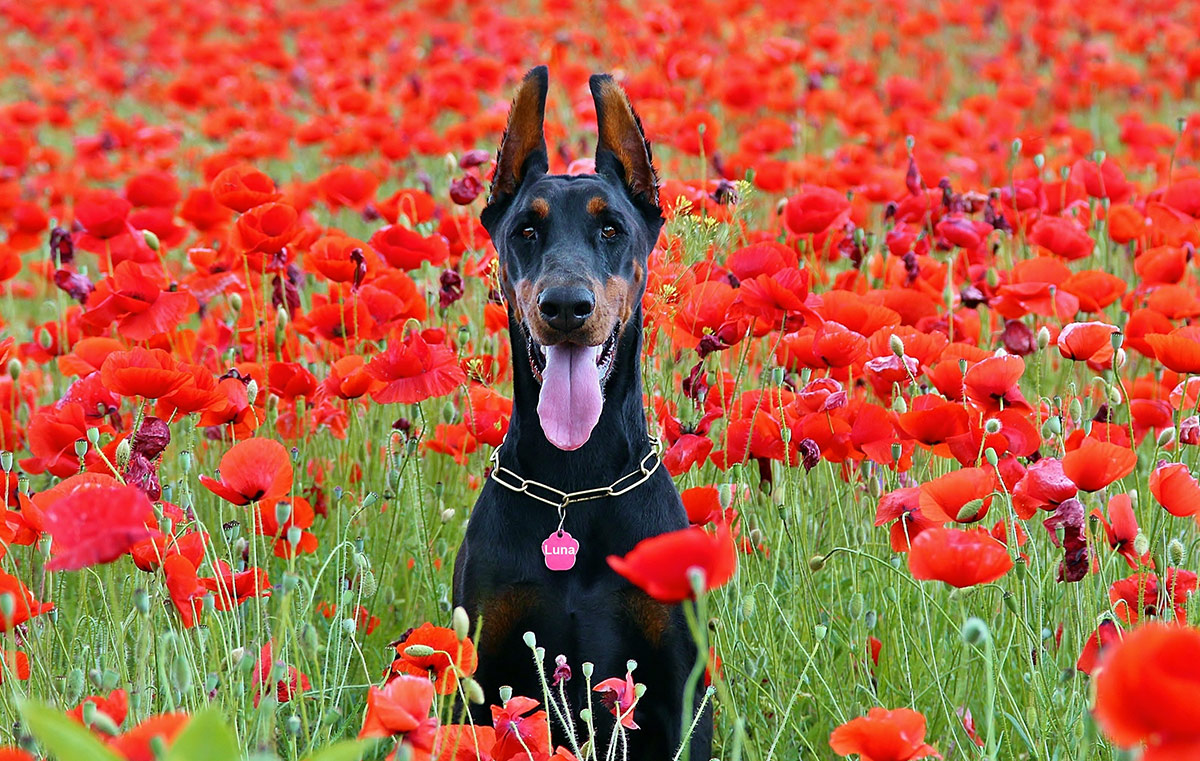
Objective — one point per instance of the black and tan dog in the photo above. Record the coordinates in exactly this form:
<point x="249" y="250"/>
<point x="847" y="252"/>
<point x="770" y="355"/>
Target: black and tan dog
<point x="573" y="253"/>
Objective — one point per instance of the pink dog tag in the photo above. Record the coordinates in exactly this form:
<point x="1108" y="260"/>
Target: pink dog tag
<point x="560" y="549"/>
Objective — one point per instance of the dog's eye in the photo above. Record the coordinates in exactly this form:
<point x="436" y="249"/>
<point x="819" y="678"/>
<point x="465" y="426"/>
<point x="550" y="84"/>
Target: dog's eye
<point x="529" y="233"/>
<point x="609" y="232"/>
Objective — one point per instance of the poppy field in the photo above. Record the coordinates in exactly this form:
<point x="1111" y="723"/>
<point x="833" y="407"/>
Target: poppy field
<point x="922" y="349"/>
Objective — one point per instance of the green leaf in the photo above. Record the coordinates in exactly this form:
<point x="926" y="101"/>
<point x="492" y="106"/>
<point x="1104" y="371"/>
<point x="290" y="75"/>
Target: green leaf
<point x="64" y="738"/>
<point x="205" y="738"/>
<point x="347" y="750"/>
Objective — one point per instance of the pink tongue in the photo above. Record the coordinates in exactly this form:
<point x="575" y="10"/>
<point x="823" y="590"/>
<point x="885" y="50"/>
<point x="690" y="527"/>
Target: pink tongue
<point x="570" y="403"/>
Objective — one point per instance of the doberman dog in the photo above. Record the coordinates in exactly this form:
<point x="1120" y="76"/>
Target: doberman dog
<point x="573" y="253"/>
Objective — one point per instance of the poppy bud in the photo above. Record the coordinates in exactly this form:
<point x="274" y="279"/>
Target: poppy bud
<point x="460" y="622"/>
<point x="45" y="340"/>
<point x="696" y="578"/>
<point x="283" y="511"/>
<point x="1166" y="437"/>
<point x="1010" y="602"/>
<point x="857" y="605"/>
<point x="251" y="391"/>
<point x="447" y="515"/>
<point x="725" y="495"/>
<point x="151" y="239"/>
<point x="1039" y="161"/>
<point x="181" y="674"/>
<point x="292" y="726"/>
<point x="75" y="685"/>
<point x="1016" y="147"/>
<point x="1043" y="337"/>
<point x="530" y="640"/>
<point x="1119" y="359"/>
<point x="235" y="304"/>
<point x="992" y="426"/>
<point x="749" y="604"/>
<point x="370" y="499"/>
<point x="990" y="455"/>
<point x="899" y="405"/>
<point x="123" y="451"/>
<point x="349" y="626"/>
<point x="1176" y="553"/>
<point x="1075" y="410"/>
<point x="1114" y="395"/>
<point x="294" y="535"/>
<point x="975" y="631"/>
<point x="14" y="368"/>
<point x="820" y="631"/>
<point x="816" y="563"/>
<point x="449" y="412"/>
<point x="896" y="344"/>
<point x="473" y="691"/>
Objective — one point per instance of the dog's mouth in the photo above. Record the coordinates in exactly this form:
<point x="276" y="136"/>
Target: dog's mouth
<point x="572" y="379"/>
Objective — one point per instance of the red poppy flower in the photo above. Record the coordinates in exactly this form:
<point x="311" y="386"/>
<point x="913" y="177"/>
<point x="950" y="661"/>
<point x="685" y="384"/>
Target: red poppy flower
<point x="959" y="558"/>
<point x="452" y="657"/>
<point x="519" y="732"/>
<point x="883" y="735"/>
<point x="991" y="384"/>
<point x="289" y="380"/>
<point x="660" y="565"/>
<point x="1142" y="595"/>
<point x="292" y="685"/>
<point x="132" y="297"/>
<point x="407" y="249"/>
<point x="242" y="187"/>
<point x="183" y="587"/>
<point x="15" y="754"/>
<point x="138" y="743"/>
<point x="1089" y="342"/>
<point x="399" y="707"/>
<point x="96" y="525"/>
<point x="300" y="515"/>
<point x="348" y="186"/>
<point x="1095" y="464"/>
<point x="414" y="371"/>
<point x="253" y="470"/>
<point x="1106" y="634"/>
<point x="115" y="706"/>
<point x="1043" y="487"/>
<point x="1146" y="691"/>
<point x="102" y="214"/>
<point x="1178" y="350"/>
<point x="232" y="589"/>
<point x="15" y="664"/>
<point x="815" y="209"/>
<point x="1174" y="487"/>
<point x="1063" y="236"/>
<point x="903" y="507"/>
<point x="262" y="232"/>
<point x="620" y="698"/>
<point x="963" y="495"/>
<point x="348" y="379"/>
<point x="1123" y="529"/>
<point x="149" y="373"/>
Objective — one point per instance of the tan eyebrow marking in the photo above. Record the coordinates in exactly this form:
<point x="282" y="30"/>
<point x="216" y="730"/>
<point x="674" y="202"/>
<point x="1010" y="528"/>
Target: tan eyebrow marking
<point x="596" y="205"/>
<point x="541" y="207"/>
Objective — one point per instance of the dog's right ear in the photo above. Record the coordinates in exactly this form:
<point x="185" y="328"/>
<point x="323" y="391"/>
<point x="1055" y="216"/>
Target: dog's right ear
<point x="523" y="147"/>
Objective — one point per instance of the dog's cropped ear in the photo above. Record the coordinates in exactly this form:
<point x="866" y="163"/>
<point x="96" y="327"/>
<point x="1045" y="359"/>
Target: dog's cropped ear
<point x="523" y="147"/>
<point x="622" y="150"/>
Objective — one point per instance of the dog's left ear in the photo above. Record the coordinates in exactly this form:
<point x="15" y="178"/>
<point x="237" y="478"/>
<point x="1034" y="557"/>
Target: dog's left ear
<point x="622" y="150"/>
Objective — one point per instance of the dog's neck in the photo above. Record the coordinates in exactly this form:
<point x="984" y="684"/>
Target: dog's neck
<point x="618" y="442"/>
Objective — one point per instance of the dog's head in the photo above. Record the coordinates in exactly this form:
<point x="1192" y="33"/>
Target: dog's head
<point x="573" y="250"/>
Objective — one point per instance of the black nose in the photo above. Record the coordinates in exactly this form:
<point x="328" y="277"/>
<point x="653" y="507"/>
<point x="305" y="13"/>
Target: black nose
<point x="566" y="308"/>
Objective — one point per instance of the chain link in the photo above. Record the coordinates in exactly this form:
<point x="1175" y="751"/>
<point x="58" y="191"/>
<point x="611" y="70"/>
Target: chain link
<point x="559" y="499"/>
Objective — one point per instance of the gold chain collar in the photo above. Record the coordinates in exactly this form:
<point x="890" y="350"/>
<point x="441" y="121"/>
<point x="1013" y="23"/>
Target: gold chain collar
<point x="560" y="499"/>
